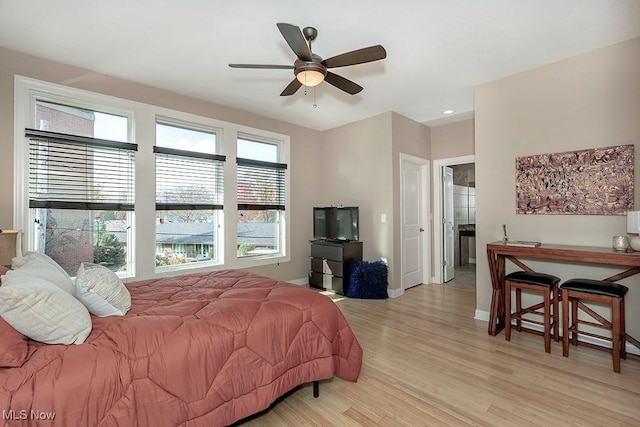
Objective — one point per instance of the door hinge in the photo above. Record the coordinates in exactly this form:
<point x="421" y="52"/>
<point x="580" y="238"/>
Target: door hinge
<point x="444" y="262"/>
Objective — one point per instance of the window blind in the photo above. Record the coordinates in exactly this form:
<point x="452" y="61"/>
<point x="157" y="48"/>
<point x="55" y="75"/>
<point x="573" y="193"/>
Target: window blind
<point x="77" y="172"/>
<point x="188" y="180"/>
<point x="261" y="185"/>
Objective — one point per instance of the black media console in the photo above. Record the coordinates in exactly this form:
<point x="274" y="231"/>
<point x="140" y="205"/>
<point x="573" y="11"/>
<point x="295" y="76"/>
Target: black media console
<point x="329" y="259"/>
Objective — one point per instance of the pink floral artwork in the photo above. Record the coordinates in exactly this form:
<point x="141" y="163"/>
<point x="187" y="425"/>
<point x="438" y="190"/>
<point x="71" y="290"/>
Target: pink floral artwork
<point x="596" y="181"/>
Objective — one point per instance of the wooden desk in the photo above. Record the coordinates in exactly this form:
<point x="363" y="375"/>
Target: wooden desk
<point x="498" y="253"/>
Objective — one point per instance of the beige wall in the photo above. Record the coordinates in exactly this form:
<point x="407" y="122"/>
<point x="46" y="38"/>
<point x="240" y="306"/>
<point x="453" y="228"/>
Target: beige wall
<point x="305" y="143"/>
<point x="452" y="140"/>
<point x="591" y="100"/>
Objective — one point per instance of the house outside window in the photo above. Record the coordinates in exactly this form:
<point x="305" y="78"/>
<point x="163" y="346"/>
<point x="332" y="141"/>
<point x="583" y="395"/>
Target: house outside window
<point x="189" y="194"/>
<point x="261" y="188"/>
<point x="80" y="176"/>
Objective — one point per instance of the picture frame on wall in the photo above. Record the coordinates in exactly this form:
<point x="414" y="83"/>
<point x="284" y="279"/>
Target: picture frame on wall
<point x="595" y="181"/>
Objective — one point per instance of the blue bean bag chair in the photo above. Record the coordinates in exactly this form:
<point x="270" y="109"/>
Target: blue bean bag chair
<point x="367" y="279"/>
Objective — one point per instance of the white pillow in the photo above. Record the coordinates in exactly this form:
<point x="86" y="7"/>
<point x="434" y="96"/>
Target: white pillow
<point x="42" y="311"/>
<point x="41" y="266"/>
<point x="101" y="291"/>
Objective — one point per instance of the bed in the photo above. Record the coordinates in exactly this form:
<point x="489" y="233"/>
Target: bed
<point x="204" y="349"/>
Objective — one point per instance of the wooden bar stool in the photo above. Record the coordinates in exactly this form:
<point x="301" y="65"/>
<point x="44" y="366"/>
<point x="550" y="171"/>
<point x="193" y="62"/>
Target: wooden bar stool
<point x="578" y="290"/>
<point x="547" y="284"/>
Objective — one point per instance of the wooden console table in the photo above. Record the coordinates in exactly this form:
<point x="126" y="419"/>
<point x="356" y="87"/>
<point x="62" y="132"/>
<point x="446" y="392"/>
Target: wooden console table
<point x="498" y="253"/>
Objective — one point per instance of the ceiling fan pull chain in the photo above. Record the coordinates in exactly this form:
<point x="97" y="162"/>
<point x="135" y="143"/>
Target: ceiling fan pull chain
<point x="314" y="98"/>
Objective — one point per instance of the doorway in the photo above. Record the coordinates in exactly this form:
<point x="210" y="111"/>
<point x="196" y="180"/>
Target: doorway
<point x="454" y="257"/>
<point x="414" y="228"/>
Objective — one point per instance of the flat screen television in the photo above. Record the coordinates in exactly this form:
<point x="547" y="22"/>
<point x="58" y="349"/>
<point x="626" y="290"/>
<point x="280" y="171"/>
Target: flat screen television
<point x="335" y="223"/>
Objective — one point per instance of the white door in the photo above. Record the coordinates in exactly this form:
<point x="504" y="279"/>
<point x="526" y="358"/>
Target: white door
<point x="447" y="224"/>
<point x="412" y="227"/>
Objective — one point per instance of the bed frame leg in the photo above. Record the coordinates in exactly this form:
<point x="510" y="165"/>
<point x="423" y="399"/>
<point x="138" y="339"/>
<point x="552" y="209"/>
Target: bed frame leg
<point x="316" y="389"/>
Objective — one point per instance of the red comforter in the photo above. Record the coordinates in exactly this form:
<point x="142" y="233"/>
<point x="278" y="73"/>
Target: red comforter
<point x="197" y="350"/>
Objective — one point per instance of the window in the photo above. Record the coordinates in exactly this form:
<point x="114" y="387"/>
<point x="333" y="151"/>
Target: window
<point x="261" y="190"/>
<point x="141" y="188"/>
<point x="189" y="195"/>
<point x="80" y="185"/>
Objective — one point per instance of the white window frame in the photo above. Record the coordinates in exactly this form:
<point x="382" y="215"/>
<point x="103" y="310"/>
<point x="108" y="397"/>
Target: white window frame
<point x="142" y="132"/>
<point x="27" y="92"/>
<point x="219" y="234"/>
<point x="284" y="228"/>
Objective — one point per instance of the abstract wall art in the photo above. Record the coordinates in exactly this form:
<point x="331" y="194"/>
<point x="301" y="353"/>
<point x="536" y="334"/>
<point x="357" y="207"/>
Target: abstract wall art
<point x="595" y="181"/>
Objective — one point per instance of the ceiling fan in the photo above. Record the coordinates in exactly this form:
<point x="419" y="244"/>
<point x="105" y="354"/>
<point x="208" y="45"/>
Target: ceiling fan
<point x="310" y="69"/>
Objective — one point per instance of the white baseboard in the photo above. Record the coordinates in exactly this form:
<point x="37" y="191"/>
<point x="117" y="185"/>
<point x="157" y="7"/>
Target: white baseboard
<point x="482" y="315"/>
<point x="631" y="349"/>
<point x="395" y="293"/>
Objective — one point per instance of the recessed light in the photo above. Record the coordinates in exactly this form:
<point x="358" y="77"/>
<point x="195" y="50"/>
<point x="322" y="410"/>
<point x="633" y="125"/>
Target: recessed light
<point x="447" y="112"/>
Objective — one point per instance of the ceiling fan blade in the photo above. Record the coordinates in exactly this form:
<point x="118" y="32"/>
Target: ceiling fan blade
<point x="360" y="56"/>
<point x="342" y="83"/>
<point x="291" y="88"/>
<point x="275" y="67"/>
<point x="296" y="41"/>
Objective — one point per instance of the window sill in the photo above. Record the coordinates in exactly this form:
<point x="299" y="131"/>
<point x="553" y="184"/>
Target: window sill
<point x="187" y="266"/>
<point x="257" y="261"/>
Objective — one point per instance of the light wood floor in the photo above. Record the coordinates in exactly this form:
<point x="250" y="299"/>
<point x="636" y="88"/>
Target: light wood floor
<point x="427" y="362"/>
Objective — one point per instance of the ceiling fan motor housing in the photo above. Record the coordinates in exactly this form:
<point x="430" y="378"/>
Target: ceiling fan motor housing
<point x="300" y="66"/>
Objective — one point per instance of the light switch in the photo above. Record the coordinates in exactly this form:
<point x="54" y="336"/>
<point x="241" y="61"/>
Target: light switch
<point x="383" y="218"/>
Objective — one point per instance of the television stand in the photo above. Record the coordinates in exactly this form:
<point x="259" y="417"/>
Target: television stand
<point x="329" y="262"/>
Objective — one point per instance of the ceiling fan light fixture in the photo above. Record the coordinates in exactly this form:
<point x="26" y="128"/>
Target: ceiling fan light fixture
<point x="310" y="77"/>
<point x="310" y="73"/>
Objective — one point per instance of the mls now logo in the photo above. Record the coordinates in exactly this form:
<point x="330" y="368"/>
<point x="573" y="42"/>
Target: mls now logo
<point x="23" y="414"/>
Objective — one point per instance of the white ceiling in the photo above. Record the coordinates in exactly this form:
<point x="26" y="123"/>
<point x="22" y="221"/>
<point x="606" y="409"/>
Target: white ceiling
<point x="437" y="50"/>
